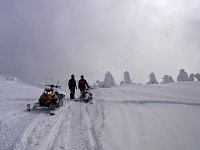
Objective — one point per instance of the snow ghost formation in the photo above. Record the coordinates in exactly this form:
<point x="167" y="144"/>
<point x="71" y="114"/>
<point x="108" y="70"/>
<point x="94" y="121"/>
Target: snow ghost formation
<point x="152" y="79"/>
<point x="197" y="76"/>
<point x="167" y="79"/>
<point x="127" y="79"/>
<point x="108" y="81"/>
<point x="191" y="77"/>
<point x="183" y="76"/>
<point x="122" y="82"/>
<point x="99" y="84"/>
<point x="11" y="79"/>
<point x="94" y="86"/>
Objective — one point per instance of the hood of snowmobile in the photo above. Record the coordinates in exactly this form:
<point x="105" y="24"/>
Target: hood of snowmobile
<point x="46" y="97"/>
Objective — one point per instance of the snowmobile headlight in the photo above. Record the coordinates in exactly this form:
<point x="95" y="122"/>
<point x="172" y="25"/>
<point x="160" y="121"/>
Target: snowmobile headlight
<point x="50" y="92"/>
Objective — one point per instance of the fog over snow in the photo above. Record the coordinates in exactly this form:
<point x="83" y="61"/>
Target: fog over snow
<point x="53" y="39"/>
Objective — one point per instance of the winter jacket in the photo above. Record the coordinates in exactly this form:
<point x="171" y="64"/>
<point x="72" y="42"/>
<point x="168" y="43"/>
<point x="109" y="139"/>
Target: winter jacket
<point x="72" y="84"/>
<point x="82" y="84"/>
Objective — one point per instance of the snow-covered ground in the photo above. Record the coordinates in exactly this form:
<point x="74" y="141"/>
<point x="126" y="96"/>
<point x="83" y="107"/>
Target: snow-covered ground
<point x="139" y="117"/>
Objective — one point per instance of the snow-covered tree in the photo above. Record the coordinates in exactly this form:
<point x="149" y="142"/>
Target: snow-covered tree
<point x="152" y="78"/>
<point x="99" y="84"/>
<point x="127" y="79"/>
<point x="197" y="76"/>
<point x="94" y="86"/>
<point x="11" y="79"/>
<point x="167" y="79"/>
<point x="191" y="77"/>
<point x="183" y="76"/>
<point x="108" y="81"/>
<point x="122" y="83"/>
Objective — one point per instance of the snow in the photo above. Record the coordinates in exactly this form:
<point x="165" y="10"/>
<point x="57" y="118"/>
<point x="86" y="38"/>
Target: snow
<point x="126" y="117"/>
<point x="108" y="81"/>
<point x="152" y="78"/>
<point x="197" y="76"/>
<point x="183" y="76"/>
<point x="191" y="77"/>
<point x="167" y="79"/>
<point x="127" y="78"/>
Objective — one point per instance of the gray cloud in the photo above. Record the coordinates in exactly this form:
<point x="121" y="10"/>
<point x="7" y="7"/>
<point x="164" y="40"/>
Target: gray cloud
<point x="53" y="39"/>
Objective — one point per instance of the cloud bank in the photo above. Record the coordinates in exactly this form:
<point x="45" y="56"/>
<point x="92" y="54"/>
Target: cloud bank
<point x="53" y="39"/>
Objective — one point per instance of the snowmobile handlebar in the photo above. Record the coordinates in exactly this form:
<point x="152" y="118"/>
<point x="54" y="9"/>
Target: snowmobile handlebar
<point x="52" y="86"/>
<point x="89" y="88"/>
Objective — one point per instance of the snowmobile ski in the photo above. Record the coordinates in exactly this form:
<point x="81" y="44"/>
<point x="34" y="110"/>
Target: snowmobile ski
<point x="52" y="112"/>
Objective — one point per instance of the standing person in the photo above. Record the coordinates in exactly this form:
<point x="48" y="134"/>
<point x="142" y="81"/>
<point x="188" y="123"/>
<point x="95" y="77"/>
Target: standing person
<point x="72" y="86"/>
<point x="82" y="84"/>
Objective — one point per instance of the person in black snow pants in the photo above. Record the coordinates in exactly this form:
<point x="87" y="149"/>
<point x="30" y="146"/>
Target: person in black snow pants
<point x="82" y="84"/>
<point x="72" y="86"/>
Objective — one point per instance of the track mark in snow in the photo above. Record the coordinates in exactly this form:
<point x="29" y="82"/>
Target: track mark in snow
<point x="155" y="102"/>
<point x="26" y="140"/>
<point x="78" y="137"/>
<point x="13" y="123"/>
<point x="60" y="141"/>
<point x="55" y="131"/>
<point x="84" y="133"/>
<point x="43" y="130"/>
<point x="11" y="131"/>
<point x="95" y="138"/>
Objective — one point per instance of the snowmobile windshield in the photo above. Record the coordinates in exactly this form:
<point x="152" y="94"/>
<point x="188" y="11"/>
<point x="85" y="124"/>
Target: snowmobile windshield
<point x="48" y="90"/>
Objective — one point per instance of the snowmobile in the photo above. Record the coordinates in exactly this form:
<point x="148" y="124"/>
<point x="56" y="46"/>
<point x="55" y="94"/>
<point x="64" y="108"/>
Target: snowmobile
<point x="86" y="96"/>
<point x="50" y="98"/>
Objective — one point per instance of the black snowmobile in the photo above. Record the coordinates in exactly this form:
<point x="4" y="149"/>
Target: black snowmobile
<point x="50" y="98"/>
<point x="86" y="96"/>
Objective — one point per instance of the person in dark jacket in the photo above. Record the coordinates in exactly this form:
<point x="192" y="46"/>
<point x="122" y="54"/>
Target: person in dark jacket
<point x="82" y="84"/>
<point x="72" y="86"/>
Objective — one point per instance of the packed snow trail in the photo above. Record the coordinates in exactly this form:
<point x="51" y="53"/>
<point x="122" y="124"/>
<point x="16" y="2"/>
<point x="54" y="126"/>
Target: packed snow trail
<point x="71" y="128"/>
<point x="43" y="130"/>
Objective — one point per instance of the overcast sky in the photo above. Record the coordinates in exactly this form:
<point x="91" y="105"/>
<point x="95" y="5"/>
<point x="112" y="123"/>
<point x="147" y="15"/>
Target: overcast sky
<point x="55" y="38"/>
